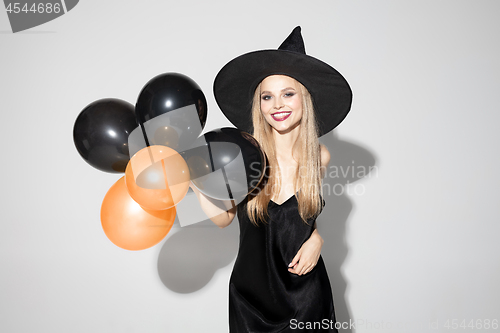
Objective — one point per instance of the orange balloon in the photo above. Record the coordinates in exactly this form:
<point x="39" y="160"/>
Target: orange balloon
<point x="157" y="177"/>
<point x="128" y="225"/>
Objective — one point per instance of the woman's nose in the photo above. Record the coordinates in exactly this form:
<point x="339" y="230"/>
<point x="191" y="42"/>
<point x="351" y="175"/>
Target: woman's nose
<point x="278" y="104"/>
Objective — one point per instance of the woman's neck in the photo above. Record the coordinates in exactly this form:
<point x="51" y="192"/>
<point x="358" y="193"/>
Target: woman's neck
<point x="285" y="141"/>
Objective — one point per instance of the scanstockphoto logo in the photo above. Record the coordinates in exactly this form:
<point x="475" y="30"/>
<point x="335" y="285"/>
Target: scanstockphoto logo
<point x="28" y="14"/>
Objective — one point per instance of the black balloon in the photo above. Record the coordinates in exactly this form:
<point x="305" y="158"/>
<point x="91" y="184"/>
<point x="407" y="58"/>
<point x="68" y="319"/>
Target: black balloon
<point x="226" y="164"/>
<point x="164" y="94"/>
<point x="101" y="133"/>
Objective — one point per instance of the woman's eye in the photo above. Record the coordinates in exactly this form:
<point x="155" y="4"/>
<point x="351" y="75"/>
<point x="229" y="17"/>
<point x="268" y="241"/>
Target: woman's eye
<point x="290" y="94"/>
<point x="266" y="97"/>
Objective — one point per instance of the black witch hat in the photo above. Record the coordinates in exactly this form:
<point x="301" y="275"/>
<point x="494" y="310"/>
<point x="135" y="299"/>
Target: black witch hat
<point x="235" y="84"/>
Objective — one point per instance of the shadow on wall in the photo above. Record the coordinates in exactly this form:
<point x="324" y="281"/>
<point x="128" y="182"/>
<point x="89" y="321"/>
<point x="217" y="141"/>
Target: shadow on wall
<point x="349" y="163"/>
<point x="190" y="257"/>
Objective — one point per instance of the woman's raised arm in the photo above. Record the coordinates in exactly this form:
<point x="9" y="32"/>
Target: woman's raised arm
<point x="221" y="212"/>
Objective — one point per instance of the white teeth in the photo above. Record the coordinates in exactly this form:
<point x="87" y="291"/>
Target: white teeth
<point x="281" y="113"/>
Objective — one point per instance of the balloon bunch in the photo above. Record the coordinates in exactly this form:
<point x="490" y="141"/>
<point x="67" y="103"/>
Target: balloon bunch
<point x="158" y="146"/>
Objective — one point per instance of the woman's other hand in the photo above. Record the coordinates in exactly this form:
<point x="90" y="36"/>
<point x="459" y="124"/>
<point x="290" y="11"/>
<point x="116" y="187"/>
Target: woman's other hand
<point x="308" y="255"/>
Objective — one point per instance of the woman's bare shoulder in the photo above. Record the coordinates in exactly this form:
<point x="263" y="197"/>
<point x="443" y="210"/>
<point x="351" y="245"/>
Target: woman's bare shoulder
<point x="325" y="155"/>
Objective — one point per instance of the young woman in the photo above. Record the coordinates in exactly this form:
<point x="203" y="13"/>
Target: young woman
<point x="286" y="99"/>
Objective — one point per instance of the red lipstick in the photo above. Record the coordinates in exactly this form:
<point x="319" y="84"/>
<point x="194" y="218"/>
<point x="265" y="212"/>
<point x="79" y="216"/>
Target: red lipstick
<point x="281" y="115"/>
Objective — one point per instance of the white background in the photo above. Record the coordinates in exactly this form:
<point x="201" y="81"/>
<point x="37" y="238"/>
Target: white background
<point x="416" y="246"/>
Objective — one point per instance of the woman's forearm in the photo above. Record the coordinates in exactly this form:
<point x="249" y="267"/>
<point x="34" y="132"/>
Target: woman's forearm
<point x="221" y="212"/>
<point x="316" y="236"/>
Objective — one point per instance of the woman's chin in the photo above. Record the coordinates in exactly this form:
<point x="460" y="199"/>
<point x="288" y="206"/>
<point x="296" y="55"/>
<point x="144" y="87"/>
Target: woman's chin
<point x="284" y="128"/>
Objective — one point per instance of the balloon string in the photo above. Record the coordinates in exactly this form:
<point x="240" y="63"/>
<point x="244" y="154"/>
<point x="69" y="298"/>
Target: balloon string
<point x="227" y="183"/>
<point x="210" y="155"/>
<point x="151" y="161"/>
<point x="144" y="134"/>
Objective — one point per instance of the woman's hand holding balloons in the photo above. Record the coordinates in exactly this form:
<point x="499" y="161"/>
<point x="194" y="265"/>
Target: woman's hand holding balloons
<point x="226" y="164"/>
<point x="221" y="212"/>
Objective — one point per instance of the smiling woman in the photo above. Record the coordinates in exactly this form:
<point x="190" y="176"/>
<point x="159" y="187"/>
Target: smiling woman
<point x="279" y="276"/>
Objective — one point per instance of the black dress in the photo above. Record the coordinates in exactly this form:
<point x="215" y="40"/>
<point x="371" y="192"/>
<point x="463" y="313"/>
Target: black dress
<point x="263" y="295"/>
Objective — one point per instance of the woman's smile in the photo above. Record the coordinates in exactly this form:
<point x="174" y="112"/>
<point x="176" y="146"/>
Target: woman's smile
<point x="281" y="115"/>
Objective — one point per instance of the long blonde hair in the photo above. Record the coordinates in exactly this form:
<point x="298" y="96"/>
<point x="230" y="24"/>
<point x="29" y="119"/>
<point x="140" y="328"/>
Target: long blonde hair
<point x="307" y="177"/>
